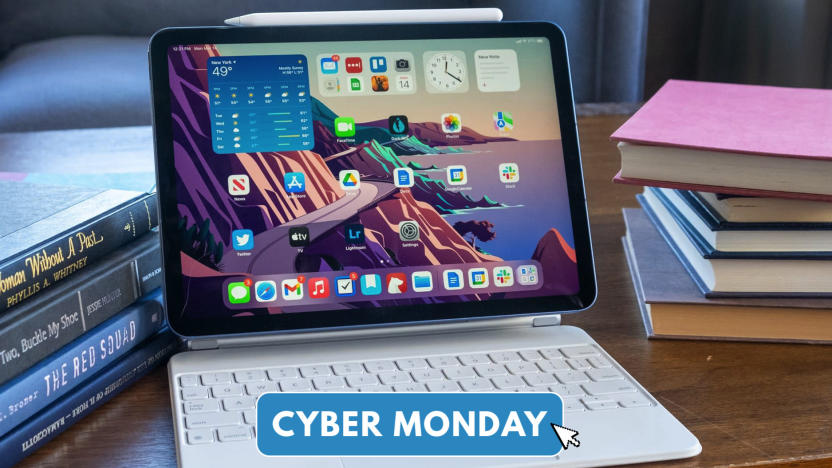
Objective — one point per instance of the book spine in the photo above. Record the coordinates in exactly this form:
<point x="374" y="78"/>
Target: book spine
<point x="77" y="362"/>
<point x="62" y="414"/>
<point x="50" y="262"/>
<point x="45" y="328"/>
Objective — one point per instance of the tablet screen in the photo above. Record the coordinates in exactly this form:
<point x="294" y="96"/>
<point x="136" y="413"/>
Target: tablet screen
<point x="363" y="174"/>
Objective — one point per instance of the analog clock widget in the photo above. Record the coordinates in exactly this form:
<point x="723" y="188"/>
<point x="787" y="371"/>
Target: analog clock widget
<point x="446" y="71"/>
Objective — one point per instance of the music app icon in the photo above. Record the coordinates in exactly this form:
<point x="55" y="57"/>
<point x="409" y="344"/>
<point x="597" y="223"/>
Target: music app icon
<point x="318" y="288"/>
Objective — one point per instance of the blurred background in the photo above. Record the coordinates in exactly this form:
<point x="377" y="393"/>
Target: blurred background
<point x="83" y="63"/>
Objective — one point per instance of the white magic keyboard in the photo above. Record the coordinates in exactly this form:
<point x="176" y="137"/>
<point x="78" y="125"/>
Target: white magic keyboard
<point x="219" y="406"/>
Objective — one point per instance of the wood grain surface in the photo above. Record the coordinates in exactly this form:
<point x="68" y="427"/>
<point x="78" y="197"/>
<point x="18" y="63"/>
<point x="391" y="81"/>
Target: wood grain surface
<point x="749" y="404"/>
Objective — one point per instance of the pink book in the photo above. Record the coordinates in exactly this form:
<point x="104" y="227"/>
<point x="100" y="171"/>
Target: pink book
<point x="760" y="120"/>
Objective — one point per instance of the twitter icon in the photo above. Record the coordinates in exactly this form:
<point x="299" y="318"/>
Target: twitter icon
<point x="242" y="239"/>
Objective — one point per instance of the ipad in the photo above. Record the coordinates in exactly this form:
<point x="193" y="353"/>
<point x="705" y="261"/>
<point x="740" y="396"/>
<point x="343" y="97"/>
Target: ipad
<point x="342" y="176"/>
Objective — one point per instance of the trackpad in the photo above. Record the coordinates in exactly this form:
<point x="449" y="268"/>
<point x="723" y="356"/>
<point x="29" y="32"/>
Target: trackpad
<point x="456" y="462"/>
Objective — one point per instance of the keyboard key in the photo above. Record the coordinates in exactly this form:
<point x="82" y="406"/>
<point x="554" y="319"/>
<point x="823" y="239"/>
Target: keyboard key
<point x="283" y="373"/>
<point x="238" y="404"/>
<point x="553" y="365"/>
<point x="532" y="390"/>
<point x="216" y="378"/>
<point x="426" y="375"/>
<point x="604" y="374"/>
<point x="324" y="383"/>
<point x="200" y="436"/>
<point x="220" y="391"/>
<point x="249" y="376"/>
<point x="572" y="405"/>
<point x="551" y="353"/>
<point x="443" y="386"/>
<point x="505" y="356"/>
<point x="633" y="401"/>
<point x="601" y="405"/>
<point x="518" y="368"/>
<point x="190" y="380"/>
<point x="411" y="363"/>
<point x="250" y="417"/>
<point x="200" y="406"/>
<point x="376" y="388"/>
<point x="599" y="361"/>
<point x="340" y="390"/>
<point x="476" y="385"/>
<point x="348" y="368"/>
<point x="492" y="370"/>
<point x="608" y="387"/>
<point x="380" y="366"/>
<point x="204" y="420"/>
<point x="539" y="379"/>
<point x="456" y="373"/>
<point x="530" y="355"/>
<point x="474" y="359"/>
<point x="440" y="362"/>
<point x="295" y="385"/>
<point x="362" y="380"/>
<point x="579" y="351"/>
<point x="568" y="390"/>
<point x="259" y="388"/>
<point x="571" y="376"/>
<point x="410" y="387"/>
<point x="194" y="393"/>
<point x="579" y="364"/>
<point x="398" y="377"/>
<point x="233" y="434"/>
<point x="508" y="382"/>
<point x="315" y="371"/>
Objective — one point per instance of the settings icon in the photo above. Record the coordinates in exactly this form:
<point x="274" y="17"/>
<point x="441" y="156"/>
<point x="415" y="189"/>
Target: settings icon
<point x="408" y="231"/>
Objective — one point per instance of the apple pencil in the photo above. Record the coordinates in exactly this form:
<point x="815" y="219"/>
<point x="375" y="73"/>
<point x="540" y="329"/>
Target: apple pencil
<point x="308" y="18"/>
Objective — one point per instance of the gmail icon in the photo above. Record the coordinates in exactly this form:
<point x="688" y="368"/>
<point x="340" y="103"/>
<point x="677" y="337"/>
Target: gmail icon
<point x="291" y="290"/>
<point x="238" y="184"/>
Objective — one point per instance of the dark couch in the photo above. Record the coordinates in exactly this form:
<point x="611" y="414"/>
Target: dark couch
<point x="83" y="63"/>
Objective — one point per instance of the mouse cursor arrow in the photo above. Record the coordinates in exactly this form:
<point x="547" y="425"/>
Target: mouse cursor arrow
<point x="566" y="436"/>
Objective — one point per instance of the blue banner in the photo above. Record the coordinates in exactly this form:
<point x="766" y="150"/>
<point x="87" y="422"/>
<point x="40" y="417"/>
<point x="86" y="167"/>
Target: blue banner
<point x="409" y="424"/>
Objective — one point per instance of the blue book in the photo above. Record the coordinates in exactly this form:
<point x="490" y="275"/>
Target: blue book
<point x="96" y="391"/>
<point x="78" y="361"/>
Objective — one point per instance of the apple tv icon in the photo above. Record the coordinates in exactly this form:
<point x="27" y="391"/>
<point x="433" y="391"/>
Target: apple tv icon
<point x="299" y="236"/>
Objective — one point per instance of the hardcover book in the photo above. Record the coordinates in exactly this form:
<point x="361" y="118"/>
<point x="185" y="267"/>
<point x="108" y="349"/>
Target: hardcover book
<point x="37" y="328"/>
<point x="51" y="232"/>
<point x="673" y="307"/>
<point x="59" y="374"/>
<point x="736" y="209"/>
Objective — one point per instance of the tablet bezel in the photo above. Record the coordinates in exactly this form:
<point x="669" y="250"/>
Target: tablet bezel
<point x="379" y="316"/>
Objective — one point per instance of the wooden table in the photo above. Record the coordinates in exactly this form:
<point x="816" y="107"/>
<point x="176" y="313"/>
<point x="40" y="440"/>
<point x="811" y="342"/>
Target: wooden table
<point x="748" y="403"/>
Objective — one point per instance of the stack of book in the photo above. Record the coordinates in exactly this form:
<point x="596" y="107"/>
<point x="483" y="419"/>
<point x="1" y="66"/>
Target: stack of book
<point x="80" y="308"/>
<point x="734" y="238"/>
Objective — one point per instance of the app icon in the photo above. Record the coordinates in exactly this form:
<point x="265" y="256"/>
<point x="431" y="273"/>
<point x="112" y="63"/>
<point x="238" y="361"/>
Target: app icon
<point x="344" y="127"/>
<point x="370" y="285"/>
<point x="242" y="239"/>
<point x="509" y="173"/>
<point x="238" y="293"/>
<point x="328" y="66"/>
<point x="452" y="279"/>
<point x="403" y="177"/>
<point x="378" y="64"/>
<point x="318" y="288"/>
<point x="238" y="184"/>
<point x="478" y="277"/>
<point x="350" y="179"/>
<point x="294" y="182"/>
<point x="353" y="65"/>
<point x="299" y="236"/>
<point x="404" y="83"/>
<point x="292" y="290"/>
<point x="409" y="231"/>
<point x="356" y="84"/>
<point x="422" y="281"/>
<point x="354" y="234"/>
<point x="380" y="83"/>
<point x="503" y="121"/>
<point x="265" y="291"/>
<point x="344" y="286"/>
<point x="457" y="175"/>
<point x="398" y="124"/>
<point x="396" y="283"/>
<point x="503" y="276"/>
<point x="402" y="65"/>
<point x="527" y="275"/>
<point x="333" y="85"/>
<point x="451" y="123"/>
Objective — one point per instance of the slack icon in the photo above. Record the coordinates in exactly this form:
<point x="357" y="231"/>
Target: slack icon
<point x="354" y="234"/>
<point x="299" y="236"/>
